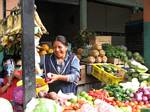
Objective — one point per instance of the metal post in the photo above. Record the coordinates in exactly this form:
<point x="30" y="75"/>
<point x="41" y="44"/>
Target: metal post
<point x="83" y="14"/>
<point x="4" y="8"/>
<point x="147" y="32"/>
<point x="28" y="50"/>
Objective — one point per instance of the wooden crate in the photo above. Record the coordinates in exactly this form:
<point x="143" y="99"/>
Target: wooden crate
<point x="82" y="74"/>
<point x="100" y="40"/>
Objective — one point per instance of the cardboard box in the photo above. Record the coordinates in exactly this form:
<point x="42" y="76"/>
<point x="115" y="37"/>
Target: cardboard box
<point x="115" y="61"/>
<point x="100" y="40"/>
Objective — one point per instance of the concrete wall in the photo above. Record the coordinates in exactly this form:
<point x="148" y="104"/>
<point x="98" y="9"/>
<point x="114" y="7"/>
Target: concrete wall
<point x="10" y="4"/>
<point x="108" y="18"/>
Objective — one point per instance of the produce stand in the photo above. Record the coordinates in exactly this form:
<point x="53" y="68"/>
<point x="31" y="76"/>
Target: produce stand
<point x="102" y="87"/>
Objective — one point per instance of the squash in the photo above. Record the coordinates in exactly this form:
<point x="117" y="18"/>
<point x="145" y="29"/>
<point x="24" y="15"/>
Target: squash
<point x="45" y="47"/>
<point x="104" y="59"/>
<point x="90" y="59"/>
<point x="102" y="53"/>
<point x="94" y="53"/>
<point x="98" y="59"/>
<point x="42" y="53"/>
<point x="97" y="47"/>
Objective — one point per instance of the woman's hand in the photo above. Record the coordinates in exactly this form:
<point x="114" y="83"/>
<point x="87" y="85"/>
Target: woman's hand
<point x="52" y="77"/>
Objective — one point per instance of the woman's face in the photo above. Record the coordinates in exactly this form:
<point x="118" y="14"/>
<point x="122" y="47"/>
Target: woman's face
<point x="59" y="49"/>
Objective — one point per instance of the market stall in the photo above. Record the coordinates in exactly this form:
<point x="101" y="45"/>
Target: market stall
<point x="117" y="79"/>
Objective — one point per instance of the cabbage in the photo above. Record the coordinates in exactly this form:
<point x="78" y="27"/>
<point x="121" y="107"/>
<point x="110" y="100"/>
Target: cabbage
<point x="5" y="105"/>
<point x="44" y="105"/>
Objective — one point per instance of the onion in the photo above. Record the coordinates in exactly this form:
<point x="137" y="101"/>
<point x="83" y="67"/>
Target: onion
<point x="146" y="92"/>
<point x="145" y="98"/>
<point x="139" y="97"/>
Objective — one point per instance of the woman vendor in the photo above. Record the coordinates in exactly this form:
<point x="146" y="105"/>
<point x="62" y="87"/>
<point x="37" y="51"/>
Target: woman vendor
<point x="62" y="67"/>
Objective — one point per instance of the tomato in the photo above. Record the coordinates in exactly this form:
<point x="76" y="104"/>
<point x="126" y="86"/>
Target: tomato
<point x="135" y="102"/>
<point x="131" y="104"/>
<point x="148" y="105"/>
<point x="114" y="103"/>
<point x="141" y="103"/>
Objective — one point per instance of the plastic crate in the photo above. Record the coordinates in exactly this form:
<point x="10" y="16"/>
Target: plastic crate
<point x="39" y="80"/>
<point x="105" y="76"/>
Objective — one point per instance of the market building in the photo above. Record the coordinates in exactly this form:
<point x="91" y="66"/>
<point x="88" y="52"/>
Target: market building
<point x="109" y="37"/>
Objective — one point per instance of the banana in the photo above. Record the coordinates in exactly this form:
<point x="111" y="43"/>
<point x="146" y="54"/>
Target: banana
<point x="4" y="40"/>
<point x="38" y="22"/>
<point x="9" y="24"/>
<point x="9" y="21"/>
<point x="1" y="29"/>
<point x="17" y="24"/>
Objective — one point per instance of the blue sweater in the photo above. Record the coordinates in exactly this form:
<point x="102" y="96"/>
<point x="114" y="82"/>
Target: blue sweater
<point x="70" y="67"/>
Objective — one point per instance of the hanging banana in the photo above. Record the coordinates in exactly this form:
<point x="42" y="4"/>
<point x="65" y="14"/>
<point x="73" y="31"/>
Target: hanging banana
<point x="4" y="40"/>
<point x="16" y="24"/>
<point x="38" y="22"/>
<point x="9" y="22"/>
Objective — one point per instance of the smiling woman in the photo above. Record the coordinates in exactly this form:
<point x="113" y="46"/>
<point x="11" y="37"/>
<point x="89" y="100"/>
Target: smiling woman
<point x="63" y="66"/>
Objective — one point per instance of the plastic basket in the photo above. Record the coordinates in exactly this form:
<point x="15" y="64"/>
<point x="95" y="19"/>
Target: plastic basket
<point x="105" y="76"/>
<point x="41" y="81"/>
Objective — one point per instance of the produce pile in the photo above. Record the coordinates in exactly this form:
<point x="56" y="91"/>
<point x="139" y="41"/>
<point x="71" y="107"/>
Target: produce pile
<point x="108" y="99"/>
<point x="95" y="54"/>
<point x="132" y="94"/>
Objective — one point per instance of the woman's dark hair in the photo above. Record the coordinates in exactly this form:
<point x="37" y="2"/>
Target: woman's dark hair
<point x="61" y="39"/>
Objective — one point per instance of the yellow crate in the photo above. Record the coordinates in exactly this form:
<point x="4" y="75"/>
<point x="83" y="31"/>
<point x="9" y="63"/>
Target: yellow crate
<point x="39" y="80"/>
<point x="105" y="76"/>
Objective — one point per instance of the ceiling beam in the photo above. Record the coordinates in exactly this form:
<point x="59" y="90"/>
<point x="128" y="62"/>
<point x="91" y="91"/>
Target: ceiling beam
<point x="73" y="2"/>
<point x="130" y="3"/>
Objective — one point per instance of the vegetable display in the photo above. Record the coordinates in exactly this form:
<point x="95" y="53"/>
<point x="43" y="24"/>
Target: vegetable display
<point x="142" y="94"/>
<point x="118" y="92"/>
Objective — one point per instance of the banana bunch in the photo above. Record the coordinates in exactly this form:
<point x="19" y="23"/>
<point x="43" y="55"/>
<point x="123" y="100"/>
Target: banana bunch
<point x="16" y="24"/>
<point x="2" y="27"/>
<point x="39" y="25"/>
<point x="7" y="40"/>
<point x="4" y="40"/>
<point x="11" y="27"/>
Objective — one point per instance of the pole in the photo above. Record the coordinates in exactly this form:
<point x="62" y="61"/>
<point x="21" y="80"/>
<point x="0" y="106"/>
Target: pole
<point x="28" y="50"/>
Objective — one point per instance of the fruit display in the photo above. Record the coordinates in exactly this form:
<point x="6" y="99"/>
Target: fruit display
<point x="95" y="54"/>
<point x="44" y="49"/>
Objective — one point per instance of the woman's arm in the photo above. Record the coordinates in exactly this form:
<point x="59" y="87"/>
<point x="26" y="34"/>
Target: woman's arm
<point x="4" y="88"/>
